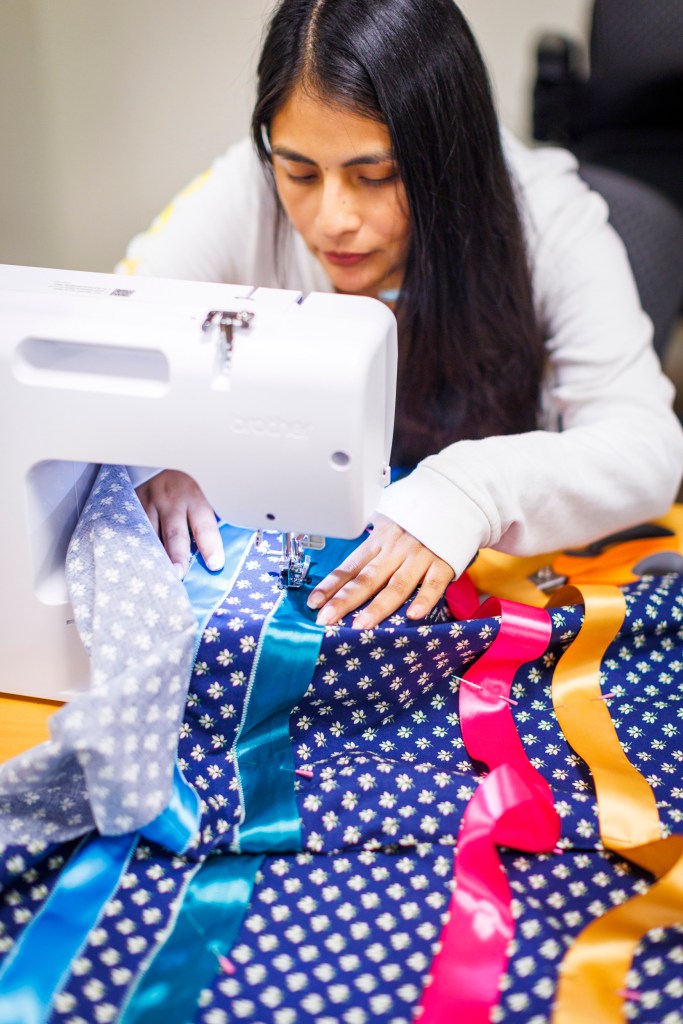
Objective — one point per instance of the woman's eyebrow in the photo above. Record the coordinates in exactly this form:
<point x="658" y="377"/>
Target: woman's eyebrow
<point x="290" y="154"/>
<point x="383" y="157"/>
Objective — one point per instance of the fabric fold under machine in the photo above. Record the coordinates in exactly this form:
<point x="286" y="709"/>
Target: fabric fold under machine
<point x="281" y="408"/>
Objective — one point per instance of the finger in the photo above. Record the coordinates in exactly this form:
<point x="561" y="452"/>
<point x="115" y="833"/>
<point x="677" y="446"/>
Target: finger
<point x="390" y="581"/>
<point x="349" y="569"/>
<point x="207" y="536"/>
<point x="147" y="502"/>
<point x="398" y="589"/>
<point x="153" y="516"/>
<point x="175" y="536"/>
<point x="367" y="582"/>
<point x="432" y="588"/>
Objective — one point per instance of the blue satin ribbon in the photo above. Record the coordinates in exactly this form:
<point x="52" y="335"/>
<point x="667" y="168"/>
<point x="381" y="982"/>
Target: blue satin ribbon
<point x="40" y="961"/>
<point x="218" y="895"/>
<point x="212" y="911"/>
<point x="177" y="825"/>
<point x="38" y="964"/>
<point x="283" y="668"/>
<point x="207" y="589"/>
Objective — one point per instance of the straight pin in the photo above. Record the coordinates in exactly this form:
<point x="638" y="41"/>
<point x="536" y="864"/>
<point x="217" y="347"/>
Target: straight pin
<point x="226" y="964"/>
<point x="605" y="696"/>
<point x="305" y="773"/>
<point x="630" y="993"/>
<point x="476" y="686"/>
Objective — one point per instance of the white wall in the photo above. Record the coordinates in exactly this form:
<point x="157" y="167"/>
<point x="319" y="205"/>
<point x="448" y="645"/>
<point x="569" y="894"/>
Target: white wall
<point x="109" y="108"/>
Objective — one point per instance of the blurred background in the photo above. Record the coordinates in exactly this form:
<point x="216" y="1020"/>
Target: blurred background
<point x="110" y="108"/>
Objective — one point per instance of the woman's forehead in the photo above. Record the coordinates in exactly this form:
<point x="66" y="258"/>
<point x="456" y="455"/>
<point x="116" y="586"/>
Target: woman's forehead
<point x="324" y="132"/>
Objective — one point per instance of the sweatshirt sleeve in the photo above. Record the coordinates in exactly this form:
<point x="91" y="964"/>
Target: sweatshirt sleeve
<point x="612" y="455"/>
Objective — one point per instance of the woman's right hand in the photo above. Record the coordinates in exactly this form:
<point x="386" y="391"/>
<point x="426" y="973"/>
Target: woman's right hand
<point x="177" y="508"/>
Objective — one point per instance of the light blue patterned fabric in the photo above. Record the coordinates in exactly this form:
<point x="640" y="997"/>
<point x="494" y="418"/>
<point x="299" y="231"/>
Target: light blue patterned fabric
<point x="109" y="761"/>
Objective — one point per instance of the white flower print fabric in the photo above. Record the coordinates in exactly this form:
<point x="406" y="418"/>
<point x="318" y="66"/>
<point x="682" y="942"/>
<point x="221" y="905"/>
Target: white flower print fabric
<point x="109" y="761"/>
<point x="344" y="928"/>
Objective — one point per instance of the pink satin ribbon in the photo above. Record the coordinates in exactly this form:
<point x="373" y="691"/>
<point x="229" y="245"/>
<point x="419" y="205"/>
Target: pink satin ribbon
<point x="512" y="807"/>
<point x="488" y="727"/>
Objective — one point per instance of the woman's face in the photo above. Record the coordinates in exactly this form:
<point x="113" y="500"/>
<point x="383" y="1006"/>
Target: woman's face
<point x="339" y="186"/>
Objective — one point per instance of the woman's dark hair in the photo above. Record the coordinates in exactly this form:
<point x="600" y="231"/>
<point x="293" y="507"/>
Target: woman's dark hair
<point x="470" y="350"/>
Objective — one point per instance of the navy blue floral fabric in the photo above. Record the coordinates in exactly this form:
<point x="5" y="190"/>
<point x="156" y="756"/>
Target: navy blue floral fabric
<point x="346" y="928"/>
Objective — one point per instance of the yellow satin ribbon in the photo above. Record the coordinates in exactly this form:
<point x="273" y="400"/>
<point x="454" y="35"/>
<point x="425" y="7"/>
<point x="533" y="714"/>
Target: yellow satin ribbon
<point x="511" y="576"/>
<point x="592" y="984"/>
<point x="593" y="972"/>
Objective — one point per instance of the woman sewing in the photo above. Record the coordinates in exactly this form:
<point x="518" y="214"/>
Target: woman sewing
<point x="530" y="401"/>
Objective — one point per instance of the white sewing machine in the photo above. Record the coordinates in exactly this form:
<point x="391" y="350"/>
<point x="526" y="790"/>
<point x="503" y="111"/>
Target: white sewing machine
<point x="281" y="409"/>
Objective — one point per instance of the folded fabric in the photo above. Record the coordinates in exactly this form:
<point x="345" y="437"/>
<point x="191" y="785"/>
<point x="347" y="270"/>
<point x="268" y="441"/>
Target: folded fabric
<point x="109" y="761"/>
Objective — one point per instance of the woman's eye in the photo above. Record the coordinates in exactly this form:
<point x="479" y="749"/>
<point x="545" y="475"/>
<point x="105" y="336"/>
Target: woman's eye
<point x="301" y="179"/>
<point x="377" y="182"/>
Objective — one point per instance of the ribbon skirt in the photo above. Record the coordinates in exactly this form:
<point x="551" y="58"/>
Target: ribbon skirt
<point x="358" y="794"/>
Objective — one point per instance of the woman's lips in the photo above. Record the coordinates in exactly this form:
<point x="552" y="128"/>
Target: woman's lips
<point x="346" y="259"/>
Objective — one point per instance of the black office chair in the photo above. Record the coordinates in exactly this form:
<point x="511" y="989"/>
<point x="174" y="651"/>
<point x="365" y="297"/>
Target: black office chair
<point x="623" y="118"/>
<point x="651" y="228"/>
<point x="626" y="111"/>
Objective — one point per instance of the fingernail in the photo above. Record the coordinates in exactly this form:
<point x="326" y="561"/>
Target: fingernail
<point x="416" y="611"/>
<point x="215" y="561"/>
<point x="179" y="570"/>
<point x="362" y="621"/>
<point x="316" y="599"/>
<point x="326" y="617"/>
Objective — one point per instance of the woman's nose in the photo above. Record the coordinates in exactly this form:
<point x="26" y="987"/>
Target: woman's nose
<point x="338" y="213"/>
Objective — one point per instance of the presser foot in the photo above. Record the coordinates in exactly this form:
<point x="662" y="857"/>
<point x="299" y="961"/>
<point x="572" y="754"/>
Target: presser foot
<point x="294" y="574"/>
<point x="294" y="562"/>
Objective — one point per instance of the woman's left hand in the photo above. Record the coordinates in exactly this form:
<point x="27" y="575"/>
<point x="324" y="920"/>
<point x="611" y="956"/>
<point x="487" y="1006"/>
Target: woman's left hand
<point x="389" y="565"/>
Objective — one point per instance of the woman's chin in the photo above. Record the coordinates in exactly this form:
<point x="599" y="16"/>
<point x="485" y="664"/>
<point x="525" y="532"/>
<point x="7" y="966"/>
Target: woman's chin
<point x="348" y="283"/>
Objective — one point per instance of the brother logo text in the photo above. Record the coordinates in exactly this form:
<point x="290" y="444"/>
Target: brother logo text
<point x="267" y="427"/>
